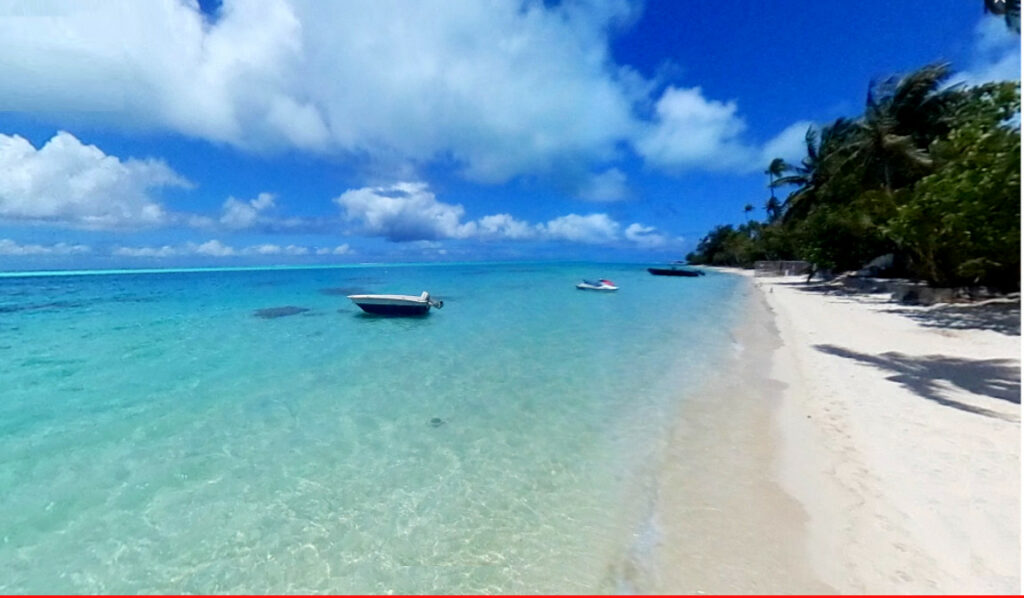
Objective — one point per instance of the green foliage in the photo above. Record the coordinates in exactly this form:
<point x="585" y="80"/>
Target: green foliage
<point x="728" y="246"/>
<point x="961" y="224"/>
<point x="928" y="172"/>
<point x="742" y="246"/>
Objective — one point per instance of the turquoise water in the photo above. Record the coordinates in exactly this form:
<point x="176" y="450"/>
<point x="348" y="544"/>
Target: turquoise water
<point x="157" y="436"/>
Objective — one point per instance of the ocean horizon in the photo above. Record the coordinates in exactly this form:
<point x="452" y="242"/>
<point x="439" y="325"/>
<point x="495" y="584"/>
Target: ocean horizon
<point x="163" y="434"/>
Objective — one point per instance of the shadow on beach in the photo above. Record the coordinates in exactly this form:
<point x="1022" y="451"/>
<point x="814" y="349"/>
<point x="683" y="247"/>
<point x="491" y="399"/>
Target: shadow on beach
<point x="995" y="378"/>
<point x="1001" y="318"/>
<point x="824" y="288"/>
<point x="1001" y="315"/>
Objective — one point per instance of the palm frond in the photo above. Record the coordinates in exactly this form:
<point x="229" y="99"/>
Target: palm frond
<point x="793" y="179"/>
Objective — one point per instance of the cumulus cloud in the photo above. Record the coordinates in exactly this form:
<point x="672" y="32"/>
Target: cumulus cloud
<point x="162" y="251"/>
<point x="591" y="229"/>
<point x="410" y="212"/>
<point x="690" y="131"/>
<point x="13" y="248"/>
<point x="646" y="237"/>
<point x="502" y="226"/>
<point x="342" y="249"/>
<point x="790" y="145"/>
<point x="514" y="87"/>
<point x="497" y="89"/>
<point x="68" y="183"/>
<point x="403" y="212"/>
<point x="237" y="214"/>
<point x="213" y="248"/>
<point x="216" y="248"/>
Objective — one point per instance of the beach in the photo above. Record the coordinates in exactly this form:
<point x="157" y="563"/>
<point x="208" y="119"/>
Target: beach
<point x="859" y="446"/>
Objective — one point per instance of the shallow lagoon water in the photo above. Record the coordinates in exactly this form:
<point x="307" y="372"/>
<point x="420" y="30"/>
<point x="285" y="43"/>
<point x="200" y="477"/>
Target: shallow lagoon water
<point x="158" y="436"/>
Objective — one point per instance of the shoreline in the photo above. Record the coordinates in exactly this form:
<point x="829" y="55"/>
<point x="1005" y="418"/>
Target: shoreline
<point x="852" y="445"/>
<point x="727" y="525"/>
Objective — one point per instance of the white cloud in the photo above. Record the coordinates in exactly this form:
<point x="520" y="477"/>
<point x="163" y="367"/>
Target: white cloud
<point x="216" y="248"/>
<point x="502" y="226"/>
<point x="790" y="145"/>
<point x="295" y="250"/>
<point x="609" y="185"/>
<point x="646" y="237"/>
<point x="403" y="212"/>
<point x="237" y="214"/>
<point x="591" y="229"/>
<point x="411" y="212"/>
<point x="343" y="249"/>
<point x="71" y="184"/>
<point x="498" y="89"/>
<point x="9" y="247"/>
<point x="163" y="251"/>
<point x="691" y="131"/>
<point x="996" y="53"/>
<point x="503" y="87"/>
<point x="213" y="248"/>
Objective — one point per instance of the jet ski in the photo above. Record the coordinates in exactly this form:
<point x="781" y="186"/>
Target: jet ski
<point x="597" y="285"/>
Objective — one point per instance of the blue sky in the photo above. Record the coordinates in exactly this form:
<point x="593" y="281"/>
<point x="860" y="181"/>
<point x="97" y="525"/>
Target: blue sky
<point x="165" y="133"/>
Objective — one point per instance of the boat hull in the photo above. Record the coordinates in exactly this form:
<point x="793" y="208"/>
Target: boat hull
<point x="394" y="310"/>
<point x="674" y="272"/>
<point x="587" y="287"/>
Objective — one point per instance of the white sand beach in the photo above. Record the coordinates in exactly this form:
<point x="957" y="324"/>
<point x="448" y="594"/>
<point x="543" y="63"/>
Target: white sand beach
<point x="900" y="433"/>
<point x="877" y="450"/>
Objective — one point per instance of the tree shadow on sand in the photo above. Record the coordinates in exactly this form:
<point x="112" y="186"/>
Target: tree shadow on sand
<point x="995" y="378"/>
<point x="1002" y="315"/>
<point x="1001" y="318"/>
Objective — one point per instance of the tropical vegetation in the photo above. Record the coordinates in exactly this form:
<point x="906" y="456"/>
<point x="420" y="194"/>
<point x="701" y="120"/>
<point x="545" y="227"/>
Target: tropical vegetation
<point x="929" y="173"/>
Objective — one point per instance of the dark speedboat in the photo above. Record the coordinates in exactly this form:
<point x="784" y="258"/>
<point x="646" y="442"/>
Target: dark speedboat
<point x="674" y="271"/>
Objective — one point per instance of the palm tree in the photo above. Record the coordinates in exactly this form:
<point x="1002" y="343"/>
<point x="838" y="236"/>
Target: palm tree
<point x="902" y="117"/>
<point x="812" y="175"/>
<point x="775" y="170"/>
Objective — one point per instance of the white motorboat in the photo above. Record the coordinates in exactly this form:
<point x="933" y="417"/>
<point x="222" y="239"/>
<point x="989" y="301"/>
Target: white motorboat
<point x="396" y="305"/>
<point x="597" y="285"/>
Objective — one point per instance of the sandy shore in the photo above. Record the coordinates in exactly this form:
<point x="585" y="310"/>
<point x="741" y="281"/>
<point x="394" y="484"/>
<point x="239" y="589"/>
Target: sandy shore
<point x="901" y="438"/>
<point x="855" y="446"/>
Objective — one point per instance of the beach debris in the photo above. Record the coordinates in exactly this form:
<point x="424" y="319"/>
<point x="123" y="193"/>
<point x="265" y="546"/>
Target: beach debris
<point x="437" y="422"/>
<point x="269" y="313"/>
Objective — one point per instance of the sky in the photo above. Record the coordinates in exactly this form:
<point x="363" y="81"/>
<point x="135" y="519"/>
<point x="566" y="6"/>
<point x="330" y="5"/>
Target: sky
<point x="168" y="133"/>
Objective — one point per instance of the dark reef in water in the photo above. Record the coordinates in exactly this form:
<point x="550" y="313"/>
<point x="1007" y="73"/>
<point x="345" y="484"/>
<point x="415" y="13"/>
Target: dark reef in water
<point x="133" y="299"/>
<point x="437" y="422"/>
<point x="269" y="313"/>
<point x="8" y="309"/>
